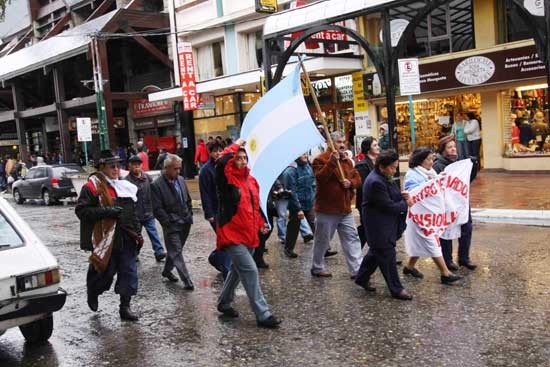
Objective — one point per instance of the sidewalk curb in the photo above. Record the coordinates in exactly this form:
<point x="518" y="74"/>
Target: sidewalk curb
<point x="512" y="216"/>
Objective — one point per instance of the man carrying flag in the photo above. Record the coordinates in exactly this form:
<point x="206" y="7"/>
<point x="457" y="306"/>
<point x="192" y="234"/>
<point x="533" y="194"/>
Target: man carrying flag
<point x="333" y="198"/>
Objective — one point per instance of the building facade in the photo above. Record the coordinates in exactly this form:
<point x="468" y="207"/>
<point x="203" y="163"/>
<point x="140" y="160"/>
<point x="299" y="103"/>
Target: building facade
<point x="50" y="60"/>
<point x="476" y="57"/>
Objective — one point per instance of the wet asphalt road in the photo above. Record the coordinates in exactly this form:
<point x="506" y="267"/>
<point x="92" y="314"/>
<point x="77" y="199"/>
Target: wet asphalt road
<point x="498" y="316"/>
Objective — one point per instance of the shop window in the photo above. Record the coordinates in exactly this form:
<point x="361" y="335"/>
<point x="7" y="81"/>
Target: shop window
<point x="254" y="55"/>
<point x="226" y="118"/>
<point x="448" y="28"/>
<point x="248" y="100"/>
<point x="512" y="26"/>
<point x="433" y="117"/>
<point x="526" y="128"/>
<point x="210" y="61"/>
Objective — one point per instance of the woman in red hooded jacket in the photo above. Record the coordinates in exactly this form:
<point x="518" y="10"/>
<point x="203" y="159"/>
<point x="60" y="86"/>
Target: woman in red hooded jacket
<point x="239" y="220"/>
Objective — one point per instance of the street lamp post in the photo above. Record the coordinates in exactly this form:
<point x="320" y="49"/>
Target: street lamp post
<point x="100" y="100"/>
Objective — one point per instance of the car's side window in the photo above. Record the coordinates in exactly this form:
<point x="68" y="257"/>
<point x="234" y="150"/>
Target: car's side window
<point x="41" y="173"/>
<point x="8" y="235"/>
<point x="31" y="174"/>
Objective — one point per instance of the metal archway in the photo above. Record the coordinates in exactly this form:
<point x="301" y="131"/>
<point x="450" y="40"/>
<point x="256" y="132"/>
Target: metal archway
<point x="384" y="63"/>
<point x="287" y="54"/>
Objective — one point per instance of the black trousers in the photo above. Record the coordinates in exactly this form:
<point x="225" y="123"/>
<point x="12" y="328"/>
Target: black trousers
<point x="384" y="258"/>
<point x="260" y="250"/>
<point x="293" y="227"/>
<point x="123" y="264"/>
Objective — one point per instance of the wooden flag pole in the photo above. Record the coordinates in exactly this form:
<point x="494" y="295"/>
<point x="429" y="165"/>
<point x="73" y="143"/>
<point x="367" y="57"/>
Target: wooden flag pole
<point x="321" y="117"/>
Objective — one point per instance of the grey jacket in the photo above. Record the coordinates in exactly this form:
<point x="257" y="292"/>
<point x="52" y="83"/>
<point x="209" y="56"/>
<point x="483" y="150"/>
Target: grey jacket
<point x="170" y="211"/>
<point x="144" y="206"/>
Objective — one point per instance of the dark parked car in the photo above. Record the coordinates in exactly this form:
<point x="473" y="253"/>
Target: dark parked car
<point x="48" y="183"/>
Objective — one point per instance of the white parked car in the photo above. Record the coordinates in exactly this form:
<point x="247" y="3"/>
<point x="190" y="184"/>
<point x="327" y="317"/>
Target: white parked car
<point x="29" y="279"/>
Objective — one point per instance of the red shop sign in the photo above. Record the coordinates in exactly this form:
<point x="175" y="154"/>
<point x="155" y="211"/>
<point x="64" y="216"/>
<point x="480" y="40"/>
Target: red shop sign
<point x="187" y="76"/>
<point x="144" y="108"/>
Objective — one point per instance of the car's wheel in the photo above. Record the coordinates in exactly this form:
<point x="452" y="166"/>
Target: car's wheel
<point x="46" y="197"/>
<point x="17" y="197"/>
<point x="38" y="331"/>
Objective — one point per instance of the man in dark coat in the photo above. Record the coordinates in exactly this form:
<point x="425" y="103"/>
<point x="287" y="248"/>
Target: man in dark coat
<point x="207" y="187"/>
<point x="109" y="228"/>
<point x="383" y="208"/>
<point x="172" y="207"/>
<point x="144" y="207"/>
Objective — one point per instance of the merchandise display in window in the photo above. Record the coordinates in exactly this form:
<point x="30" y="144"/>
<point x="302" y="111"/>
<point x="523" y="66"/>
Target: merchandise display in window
<point x="529" y="130"/>
<point x="432" y="118"/>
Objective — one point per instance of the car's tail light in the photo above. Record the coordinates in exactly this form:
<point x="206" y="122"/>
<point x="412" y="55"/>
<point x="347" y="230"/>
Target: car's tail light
<point x="55" y="182"/>
<point x="37" y="280"/>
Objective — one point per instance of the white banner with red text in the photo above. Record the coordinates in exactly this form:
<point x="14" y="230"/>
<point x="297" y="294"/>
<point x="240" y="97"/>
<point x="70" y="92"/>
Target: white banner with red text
<point x="440" y="207"/>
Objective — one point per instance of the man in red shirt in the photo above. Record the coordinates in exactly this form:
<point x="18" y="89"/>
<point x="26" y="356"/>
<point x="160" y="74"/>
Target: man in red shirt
<point x="201" y="154"/>
<point x="144" y="158"/>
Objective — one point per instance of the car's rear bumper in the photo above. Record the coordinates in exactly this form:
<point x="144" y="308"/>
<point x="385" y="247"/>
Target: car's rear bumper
<point x="64" y="192"/>
<point x="33" y="305"/>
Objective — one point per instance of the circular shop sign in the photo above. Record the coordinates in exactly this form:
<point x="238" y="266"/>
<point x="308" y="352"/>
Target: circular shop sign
<point x="475" y="70"/>
<point x="535" y="7"/>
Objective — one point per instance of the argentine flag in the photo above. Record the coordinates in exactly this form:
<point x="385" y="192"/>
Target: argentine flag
<point x="278" y="129"/>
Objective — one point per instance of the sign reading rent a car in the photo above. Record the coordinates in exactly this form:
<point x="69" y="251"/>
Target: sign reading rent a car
<point x="187" y="76"/>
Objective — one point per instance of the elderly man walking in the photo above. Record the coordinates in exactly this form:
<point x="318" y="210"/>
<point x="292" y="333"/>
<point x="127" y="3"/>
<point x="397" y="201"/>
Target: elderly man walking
<point x="333" y="200"/>
<point x="173" y="209"/>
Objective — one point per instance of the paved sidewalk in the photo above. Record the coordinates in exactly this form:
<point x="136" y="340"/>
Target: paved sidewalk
<point x="495" y="198"/>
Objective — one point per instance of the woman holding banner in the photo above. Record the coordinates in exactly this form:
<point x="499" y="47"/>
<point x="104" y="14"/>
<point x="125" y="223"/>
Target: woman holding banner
<point x="447" y="155"/>
<point x="421" y="171"/>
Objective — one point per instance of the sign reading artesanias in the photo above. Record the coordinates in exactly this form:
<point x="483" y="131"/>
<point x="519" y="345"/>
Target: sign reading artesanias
<point x="440" y="207"/>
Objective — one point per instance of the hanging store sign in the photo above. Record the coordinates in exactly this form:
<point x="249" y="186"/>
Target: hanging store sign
<point x="187" y="77"/>
<point x="328" y="35"/>
<point x="266" y="6"/>
<point x="144" y="108"/>
<point x="207" y="101"/>
<point x="409" y="77"/>
<point x="397" y="27"/>
<point x="360" y="106"/>
<point x="535" y="7"/>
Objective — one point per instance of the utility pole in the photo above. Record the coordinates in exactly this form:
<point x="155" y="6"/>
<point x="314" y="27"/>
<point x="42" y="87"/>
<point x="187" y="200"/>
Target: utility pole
<point x="100" y="100"/>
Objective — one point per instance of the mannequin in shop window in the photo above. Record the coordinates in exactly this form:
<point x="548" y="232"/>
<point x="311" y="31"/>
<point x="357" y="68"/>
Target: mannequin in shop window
<point x="540" y="130"/>
<point x="525" y="130"/>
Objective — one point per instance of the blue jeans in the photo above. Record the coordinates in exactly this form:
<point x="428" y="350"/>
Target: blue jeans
<point x="463" y="151"/>
<point x="243" y="269"/>
<point x="151" y="228"/>
<point x="282" y="215"/>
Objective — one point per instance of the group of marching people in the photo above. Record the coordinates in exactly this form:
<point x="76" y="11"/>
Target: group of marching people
<point x="319" y="199"/>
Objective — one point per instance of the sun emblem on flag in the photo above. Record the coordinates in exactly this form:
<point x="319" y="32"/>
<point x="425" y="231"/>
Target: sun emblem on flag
<point x="253" y="145"/>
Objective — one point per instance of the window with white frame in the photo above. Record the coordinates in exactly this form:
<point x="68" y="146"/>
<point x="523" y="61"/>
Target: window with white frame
<point x="254" y="50"/>
<point x="210" y="61"/>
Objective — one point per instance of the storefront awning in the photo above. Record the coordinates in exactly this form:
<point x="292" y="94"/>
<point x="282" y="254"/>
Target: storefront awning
<point x="63" y="46"/>
<point x="250" y="80"/>
<point x="328" y="11"/>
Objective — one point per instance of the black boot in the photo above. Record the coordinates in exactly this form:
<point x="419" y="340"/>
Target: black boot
<point x="125" y="311"/>
<point x="93" y="302"/>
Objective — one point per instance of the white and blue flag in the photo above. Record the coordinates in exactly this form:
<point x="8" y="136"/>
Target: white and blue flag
<point x="277" y="130"/>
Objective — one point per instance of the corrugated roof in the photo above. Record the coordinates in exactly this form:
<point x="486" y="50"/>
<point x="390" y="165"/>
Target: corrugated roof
<point x="63" y="46"/>
<point x="17" y="18"/>
<point x="305" y="16"/>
